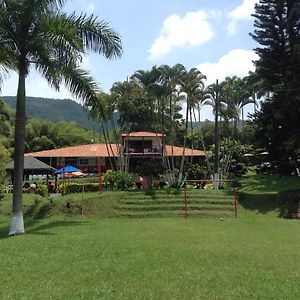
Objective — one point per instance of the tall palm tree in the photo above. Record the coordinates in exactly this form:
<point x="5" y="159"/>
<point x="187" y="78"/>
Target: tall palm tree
<point x="147" y="81"/>
<point x="237" y="97"/>
<point x="193" y="86"/>
<point x="38" y="34"/>
<point x="215" y="90"/>
<point x="172" y="77"/>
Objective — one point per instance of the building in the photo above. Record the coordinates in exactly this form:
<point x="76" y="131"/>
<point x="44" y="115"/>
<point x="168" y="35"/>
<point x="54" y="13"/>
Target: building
<point x="133" y="147"/>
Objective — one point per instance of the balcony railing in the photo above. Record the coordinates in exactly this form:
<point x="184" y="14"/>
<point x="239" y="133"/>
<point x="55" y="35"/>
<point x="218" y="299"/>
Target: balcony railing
<point x="143" y="151"/>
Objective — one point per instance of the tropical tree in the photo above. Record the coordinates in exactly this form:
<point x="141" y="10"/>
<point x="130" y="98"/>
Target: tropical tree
<point x="147" y="81"/>
<point x="103" y="111"/>
<point x="39" y="34"/>
<point x="278" y="67"/>
<point x="192" y="87"/>
<point x="6" y="128"/>
<point x="4" y="158"/>
<point x="215" y="91"/>
<point x="43" y="135"/>
<point x="236" y="96"/>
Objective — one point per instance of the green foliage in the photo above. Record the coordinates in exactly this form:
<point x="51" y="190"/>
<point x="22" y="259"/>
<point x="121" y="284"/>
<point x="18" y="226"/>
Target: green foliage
<point x="42" y="190"/>
<point x="80" y="187"/>
<point x="54" y="110"/>
<point x="278" y="71"/>
<point x="196" y="172"/>
<point x="150" y="167"/>
<point x="277" y="31"/>
<point x="43" y="135"/>
<point x="6" y="128"/>
<point x="4" y="158"/>
<point x="117" y="180"/>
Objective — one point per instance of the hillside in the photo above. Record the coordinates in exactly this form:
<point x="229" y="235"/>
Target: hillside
<point x="54" y="110"/>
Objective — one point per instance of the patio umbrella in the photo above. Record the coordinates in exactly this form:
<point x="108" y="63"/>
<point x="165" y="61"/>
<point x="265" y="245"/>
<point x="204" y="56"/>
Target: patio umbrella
<point x="76" y="174"/>
<point x="264" y="153"/>
<point x="67" y="169"/>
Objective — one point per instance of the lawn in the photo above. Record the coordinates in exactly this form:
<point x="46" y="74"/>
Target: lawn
<point x="253" y="257"/>
<point x="269" y="184"/>
<point x="100" y="256"/>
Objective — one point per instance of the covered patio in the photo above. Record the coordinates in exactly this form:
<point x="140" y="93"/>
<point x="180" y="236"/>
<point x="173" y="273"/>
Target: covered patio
<point x="32" y="166"/>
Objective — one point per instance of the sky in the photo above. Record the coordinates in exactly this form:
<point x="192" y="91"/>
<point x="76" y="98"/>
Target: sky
<point x="210" y="35"/>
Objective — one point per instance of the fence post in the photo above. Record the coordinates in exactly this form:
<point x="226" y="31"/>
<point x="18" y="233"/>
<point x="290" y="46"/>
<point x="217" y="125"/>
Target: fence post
<point x="185" y="202"/>
<point x="235" y="202"/>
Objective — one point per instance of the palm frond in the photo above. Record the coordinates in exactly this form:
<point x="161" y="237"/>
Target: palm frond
<point x="97" y="35"/>
<point x="80" y="84"/>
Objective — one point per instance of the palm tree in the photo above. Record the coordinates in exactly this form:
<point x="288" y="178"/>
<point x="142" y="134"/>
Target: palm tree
<point x="147" y="81"/>
<point x="193" y="87"/>
<point x="37" y="33"/>
<point x="237" y="97"/>
<point x="172" y="78"/>
<point x="216" y="92"/>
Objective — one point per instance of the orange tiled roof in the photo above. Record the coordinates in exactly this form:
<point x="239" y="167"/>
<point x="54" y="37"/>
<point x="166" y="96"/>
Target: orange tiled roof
<point x="91" y="150"/>
<point x="178" y="151"/>
<point x="142" y="134"/>
<point x="100" y="150"/>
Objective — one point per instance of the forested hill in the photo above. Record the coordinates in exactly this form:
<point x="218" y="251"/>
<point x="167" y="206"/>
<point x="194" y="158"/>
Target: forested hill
<point x="53" y="109"/>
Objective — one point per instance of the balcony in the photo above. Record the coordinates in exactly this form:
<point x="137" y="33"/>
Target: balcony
<point x="142" y="151"/>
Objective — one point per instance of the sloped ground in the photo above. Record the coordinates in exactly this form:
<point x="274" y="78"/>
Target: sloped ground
<point x="171" y="203"/>
<point x="132" y="204"/>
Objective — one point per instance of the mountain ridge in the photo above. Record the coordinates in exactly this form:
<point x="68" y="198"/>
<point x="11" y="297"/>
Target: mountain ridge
<point x="54" y="110"/>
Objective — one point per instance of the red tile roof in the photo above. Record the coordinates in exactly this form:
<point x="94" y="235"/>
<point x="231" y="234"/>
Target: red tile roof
<point x="91" y="150"/>
<point x="178" y="151"/>
<point x="100" y="150"/>
<point x="142" y="134"/>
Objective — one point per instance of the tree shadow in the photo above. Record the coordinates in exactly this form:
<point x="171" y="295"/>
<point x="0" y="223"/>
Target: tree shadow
<point x="285" y="203"/>
<point x="32" y="226"/>
<point x="262" y="203"/>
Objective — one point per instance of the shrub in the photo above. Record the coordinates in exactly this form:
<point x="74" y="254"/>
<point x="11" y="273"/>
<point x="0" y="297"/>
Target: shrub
<point x="78" y="187"/>
<point x="42" y="190"/>
<point x="117" y="180"/>
<point x="238" y="169"/>
<point x="197" y="172"/>
<point x="4" y="158"/>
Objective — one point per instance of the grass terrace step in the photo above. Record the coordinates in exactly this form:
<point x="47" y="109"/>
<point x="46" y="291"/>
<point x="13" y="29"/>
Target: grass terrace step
<point x="175" y="213"/>
<point x="171" y="207"/>
<point x="165" y="202"/>
<point x="170" y="203"/>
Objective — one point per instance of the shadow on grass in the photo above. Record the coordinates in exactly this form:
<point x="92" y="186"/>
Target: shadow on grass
<point x="285" y="203"/>
<point x="32" y="226"/>
<point x="261" y="203"/>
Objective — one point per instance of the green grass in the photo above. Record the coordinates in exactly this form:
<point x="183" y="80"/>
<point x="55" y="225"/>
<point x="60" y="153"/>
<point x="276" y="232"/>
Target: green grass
<point x="73" y="258"/>
<point x="268" y="184"/>
<point x="94" y="255"/>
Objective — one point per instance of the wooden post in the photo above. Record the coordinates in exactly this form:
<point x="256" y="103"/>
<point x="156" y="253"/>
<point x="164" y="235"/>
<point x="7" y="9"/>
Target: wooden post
<point x="235" y="202"/>
<point x="99" y="175"/>
<point x="64" y="179"/>
<point x="185" y="202"/>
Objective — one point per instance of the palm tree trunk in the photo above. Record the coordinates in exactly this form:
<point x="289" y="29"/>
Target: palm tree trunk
<point x="16" y="222"/>
<point x="184" y="145"/>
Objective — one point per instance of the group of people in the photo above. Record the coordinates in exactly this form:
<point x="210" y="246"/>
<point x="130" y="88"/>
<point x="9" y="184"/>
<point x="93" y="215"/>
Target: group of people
<point x="143" y="182"/>
<point x="32" y="187"/>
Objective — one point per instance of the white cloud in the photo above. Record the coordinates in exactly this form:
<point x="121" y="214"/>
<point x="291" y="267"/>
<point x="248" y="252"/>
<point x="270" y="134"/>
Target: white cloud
<point x="91" y="7"/>
<point x="240" y="13"/>
<point x="236" y="62"/>
<point x="193" y="29"/>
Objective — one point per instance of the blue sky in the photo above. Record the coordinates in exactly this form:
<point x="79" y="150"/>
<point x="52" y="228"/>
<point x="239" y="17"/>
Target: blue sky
<point x="210" y="35"/>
